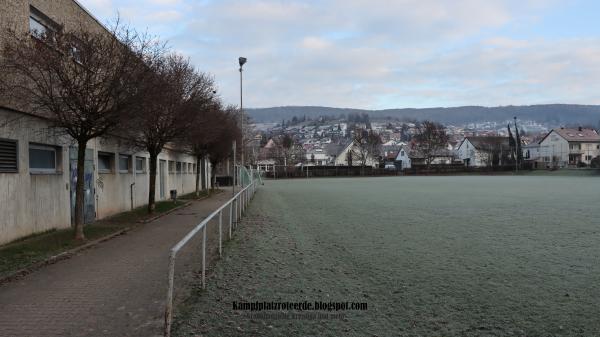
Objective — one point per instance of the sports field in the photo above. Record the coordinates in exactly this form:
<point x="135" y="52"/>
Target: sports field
<point x="431" y="256"/>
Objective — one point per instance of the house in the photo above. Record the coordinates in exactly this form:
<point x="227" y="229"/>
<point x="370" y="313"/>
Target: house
<point x="38" y="166"/>
<point x="348" y="157"/>
<point x="317" y="157"/>
<point x="409" y="155"/>
<point x="482" y="151"/>
<point x="565" y="146"/>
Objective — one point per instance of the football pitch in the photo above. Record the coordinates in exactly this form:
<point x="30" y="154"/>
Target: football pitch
<point x="430" y="256"/>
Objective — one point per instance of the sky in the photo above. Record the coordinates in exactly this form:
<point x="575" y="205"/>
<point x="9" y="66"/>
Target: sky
<point x="376" y="54"/>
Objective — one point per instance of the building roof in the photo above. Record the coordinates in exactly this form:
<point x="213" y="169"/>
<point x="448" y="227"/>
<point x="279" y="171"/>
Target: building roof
<point x="334" y="149"/>
<point x="415" y="153"/>
<point x="487" y="142"/>
<point x="578" y="135"/>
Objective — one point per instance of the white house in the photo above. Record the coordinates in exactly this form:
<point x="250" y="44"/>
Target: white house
<point x="317" y="157"/>
<point x="407" y="157"/>
<point x="481" y="151"/>
<point x="563" y="147"/>
<point x="343" y="157"/>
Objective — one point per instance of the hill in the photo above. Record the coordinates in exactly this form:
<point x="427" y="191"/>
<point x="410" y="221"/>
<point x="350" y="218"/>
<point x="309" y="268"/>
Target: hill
<point x="551" y="114"/>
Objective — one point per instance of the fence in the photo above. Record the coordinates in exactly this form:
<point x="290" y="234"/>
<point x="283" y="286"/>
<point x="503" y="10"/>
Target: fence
<point x="237" y="205"/>
<point x="280" y="171"/>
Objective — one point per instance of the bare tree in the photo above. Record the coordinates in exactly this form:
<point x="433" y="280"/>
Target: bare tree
<point x="171" y="101"/>
<point x="83" y="82"/>
<point x="227" y="131"/>
<point x="366" y="145"/>
<point x="431" y="139"/>
<point x="204" y="130"/>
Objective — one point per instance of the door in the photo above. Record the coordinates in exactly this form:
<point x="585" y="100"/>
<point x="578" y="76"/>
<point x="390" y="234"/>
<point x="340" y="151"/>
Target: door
<point x="89" y="209"/>
<point x="162" y="168"/>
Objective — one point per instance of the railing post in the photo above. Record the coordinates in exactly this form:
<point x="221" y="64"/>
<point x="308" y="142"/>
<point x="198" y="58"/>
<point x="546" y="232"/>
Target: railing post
<point x="220" y="232"/>
<point x="230" y="218"/>
<point x="169" y="305"/>
<point x="239" y="219"/>
<point x="204" y="256"/>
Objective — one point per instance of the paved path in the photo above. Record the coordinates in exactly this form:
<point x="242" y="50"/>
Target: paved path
<point x="117" y="288"/>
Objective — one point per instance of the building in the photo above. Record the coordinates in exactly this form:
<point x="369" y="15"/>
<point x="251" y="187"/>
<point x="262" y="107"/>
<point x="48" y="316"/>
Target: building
<point x="407" y="157"/>
<point x="348" y="157"/>
<point x="484" y="151"/>
<point x="568" y="147"/>
<point x="317" y="157"/>
<point x="38" y="163"/>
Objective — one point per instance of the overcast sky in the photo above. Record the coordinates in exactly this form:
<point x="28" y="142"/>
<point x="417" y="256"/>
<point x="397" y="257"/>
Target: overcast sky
<point x="382" y="54"/>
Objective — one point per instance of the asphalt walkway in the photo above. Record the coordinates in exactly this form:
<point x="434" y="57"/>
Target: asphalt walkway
<point x="116" y="288"/>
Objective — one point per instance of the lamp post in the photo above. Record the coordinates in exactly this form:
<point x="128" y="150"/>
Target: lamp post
<point x="242" y="61"/>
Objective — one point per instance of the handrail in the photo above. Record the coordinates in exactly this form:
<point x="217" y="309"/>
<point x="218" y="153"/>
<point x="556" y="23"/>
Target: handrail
<point x="241" y="201"/>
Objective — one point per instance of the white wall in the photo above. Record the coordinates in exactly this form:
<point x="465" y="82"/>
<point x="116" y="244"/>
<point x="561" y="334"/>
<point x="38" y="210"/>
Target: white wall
<point x="555" y="148"/>
<point x="403" y="156"/>
<point x="33" y="202"/>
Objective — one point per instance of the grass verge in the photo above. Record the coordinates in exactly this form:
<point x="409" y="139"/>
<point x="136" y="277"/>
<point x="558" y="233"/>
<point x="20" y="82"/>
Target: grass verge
<point x="38" y="247"/>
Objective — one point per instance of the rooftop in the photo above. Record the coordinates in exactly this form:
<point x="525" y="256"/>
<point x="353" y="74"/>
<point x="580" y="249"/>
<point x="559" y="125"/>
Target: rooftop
<point x="578" y="135"/>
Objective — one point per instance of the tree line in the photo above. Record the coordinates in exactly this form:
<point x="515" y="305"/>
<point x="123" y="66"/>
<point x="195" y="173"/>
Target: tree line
<point x="119" y="83"/>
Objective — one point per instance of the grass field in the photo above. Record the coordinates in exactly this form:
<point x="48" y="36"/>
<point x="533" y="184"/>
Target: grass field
<point x="432" y="256"/>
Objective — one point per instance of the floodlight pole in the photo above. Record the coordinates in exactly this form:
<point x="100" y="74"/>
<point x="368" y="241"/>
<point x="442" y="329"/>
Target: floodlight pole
<point x="242" y="60"/>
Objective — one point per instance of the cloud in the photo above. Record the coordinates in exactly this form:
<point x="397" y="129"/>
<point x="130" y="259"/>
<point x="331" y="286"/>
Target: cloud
<point x="165" y="16"/>
<point x="378" y="54"/>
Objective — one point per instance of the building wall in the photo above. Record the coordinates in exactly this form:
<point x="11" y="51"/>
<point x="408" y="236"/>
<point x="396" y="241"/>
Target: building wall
<point x="342" y="158"/>
<point x="31" y="203"/>
<point x="14" y="15"/>
<point x="555" y="149"/>
<point x="466" y="150"/>
<point x="35" y="202"/>
<point x="404" y="158"/>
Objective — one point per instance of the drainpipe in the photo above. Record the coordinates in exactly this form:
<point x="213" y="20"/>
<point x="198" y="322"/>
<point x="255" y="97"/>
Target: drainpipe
<point x="131" y="193"/>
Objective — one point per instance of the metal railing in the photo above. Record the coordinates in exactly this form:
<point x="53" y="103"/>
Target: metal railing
<point x="237" y="205"/>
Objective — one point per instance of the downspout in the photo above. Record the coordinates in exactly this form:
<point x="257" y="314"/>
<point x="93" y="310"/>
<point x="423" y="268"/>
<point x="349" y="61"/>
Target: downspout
<point x="131" y="193"/>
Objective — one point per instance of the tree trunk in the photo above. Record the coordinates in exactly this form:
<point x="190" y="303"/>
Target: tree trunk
<point x="204" y="182"/>
<point x="79" y="193"/>
<point x="152" y="185"/>
<point x="213" y="177"/>
<point x="198" y="176"/>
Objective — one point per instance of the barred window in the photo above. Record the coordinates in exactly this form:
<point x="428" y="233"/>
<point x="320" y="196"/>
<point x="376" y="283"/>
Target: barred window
<point x="9" y="160"/>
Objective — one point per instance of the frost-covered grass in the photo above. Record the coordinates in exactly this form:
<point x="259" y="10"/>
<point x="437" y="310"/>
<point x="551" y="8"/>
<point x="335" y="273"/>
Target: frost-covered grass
<point x="432" y="256"/>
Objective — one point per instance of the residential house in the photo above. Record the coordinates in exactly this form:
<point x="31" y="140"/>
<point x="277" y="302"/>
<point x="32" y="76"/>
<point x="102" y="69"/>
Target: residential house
<point x="343" y="157"/>
<point x="408" y="156"/>
<point x="484" y="151"/>
<point x="564" y="146"/>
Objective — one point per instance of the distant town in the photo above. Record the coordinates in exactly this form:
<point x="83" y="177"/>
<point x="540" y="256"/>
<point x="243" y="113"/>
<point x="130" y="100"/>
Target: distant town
<point x="395" y="144"/>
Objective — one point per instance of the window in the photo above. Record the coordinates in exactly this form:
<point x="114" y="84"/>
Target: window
<point x="190" y="169"/>
<point x="140" y="164"/>
<point x="43" y="159"/>
<point x="171" y="166"/>
<point x="124" y="163"/>
<point x="193" y="168"/>
<point x="8" y="156"/>
<point x="40" y="25"/>
<point x="178" y="170"/>
<point x="105" y="162"/>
